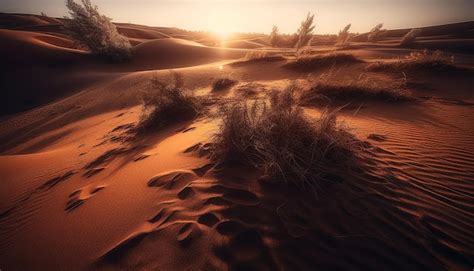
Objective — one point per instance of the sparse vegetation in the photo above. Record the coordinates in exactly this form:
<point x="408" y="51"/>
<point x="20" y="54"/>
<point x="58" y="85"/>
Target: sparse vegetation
<point x="259" y="56"/>
<point x="165" y="104"/>
<point x="315" y="62"/>
<point x="344" y="35"/>
<point x="274" y="36"/>
<point x="330" y="90"/>
<point x="418" y="61"/>
<point x="375" y="34"/>
<point x="223" y="83"/>
<point x="276" y="136"/>
<point x="305" y="32"/>
<point x="95" y="32"/>
<point x="410" y="37"/>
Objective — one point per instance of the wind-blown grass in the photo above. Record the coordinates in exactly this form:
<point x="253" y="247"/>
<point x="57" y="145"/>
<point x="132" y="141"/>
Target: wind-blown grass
<point x="418" y="61"/>
<point x="222" y="84"/>
<point x="165" y="104"/>
<point x="315" y="62"/>
<point x="337" y="91"/>
<point x="276" y="136"/>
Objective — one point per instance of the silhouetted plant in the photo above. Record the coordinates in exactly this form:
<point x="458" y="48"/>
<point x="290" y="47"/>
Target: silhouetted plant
<point x="375" y="33"/>
<point x="95" y="32"/>
<point x="165" y="104"/>
<point x="305" y="32"/>
<point x="275" y="135"/>
<point x="274" y="36"/>
<point x="344" y="35"/>
<point x="410" y="37"/>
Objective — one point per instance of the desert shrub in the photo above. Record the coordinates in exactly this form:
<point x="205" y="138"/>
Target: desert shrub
<point x="344" y="35"/>
<point x="222" y="83"/>
<point x="257" y="54"/>
<point x="314" y="62"/>
<point x="304" y="51"/>
<point x="257" y="57"/>
<point x="274" y="134"/>
<point x="165" y="104"/>
<point x="332" y="90"/>
<point x="274" y="36"/>
<point x="418" y="61"/>
<point x="94" y="31"/>
<point x="305" y="32"/>
<point x="375" y="34"/>
<point x="410" y="37"/>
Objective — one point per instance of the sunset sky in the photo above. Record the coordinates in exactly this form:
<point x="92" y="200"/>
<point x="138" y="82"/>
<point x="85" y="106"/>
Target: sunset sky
<point x="260" y="15"/>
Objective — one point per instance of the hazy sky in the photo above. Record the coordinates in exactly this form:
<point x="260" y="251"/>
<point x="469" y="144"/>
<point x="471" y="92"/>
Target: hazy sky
<point x="260" y="15"/>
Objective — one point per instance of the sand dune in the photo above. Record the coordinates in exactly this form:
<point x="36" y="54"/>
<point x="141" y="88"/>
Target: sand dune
<point x="175" y="53"/>
<point x="80" y="192"/>
<point x="246" y="44"/>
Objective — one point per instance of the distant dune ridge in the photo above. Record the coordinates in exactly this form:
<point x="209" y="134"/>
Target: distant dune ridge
<point x="204" y="153"/>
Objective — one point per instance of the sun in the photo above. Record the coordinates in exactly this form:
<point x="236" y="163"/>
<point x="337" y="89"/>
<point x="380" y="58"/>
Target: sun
<point x="222" y="34"/>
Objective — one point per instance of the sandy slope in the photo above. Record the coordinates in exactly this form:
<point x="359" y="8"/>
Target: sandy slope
<point x="74" y="195"/>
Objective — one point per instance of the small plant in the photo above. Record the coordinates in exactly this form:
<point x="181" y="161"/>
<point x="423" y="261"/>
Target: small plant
<point x="165" y="104"/>
<point x="223" y="83"/>
<point x="410" y="37"/>
<point x="274" y="134"/>
<point x="258" y="54"/>
<point x="330" y="90"/>
<point x="344" y="35"/>
<point x="418" y="61"/>
<point x="257" y="57"/>
<point x="96" y="32"/>
<point x="304" y="51"/>
<point x="314" y="62"/>
<point x="305" y="32"/>
<point x="375" y="34"/>
<point x="274" y="36"/>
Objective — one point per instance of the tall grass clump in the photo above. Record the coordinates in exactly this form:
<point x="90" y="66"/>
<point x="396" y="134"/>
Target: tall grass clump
<point x="436" y="61"/>
<point x="305" y="32"/>
<point x="332" y="90"/>
<point x="95" y="32"/>
<point x="274" y="135"/>
<point x="410" y="37"/>
<point x="165" y="104"/>
<point x="258" y="56"/>
<point x="314" y="62"/>
<point x="344" y="35"/>
<point x="222" y="84"/>
<point x="375" y="34"/>
<point x="274" y="36"/>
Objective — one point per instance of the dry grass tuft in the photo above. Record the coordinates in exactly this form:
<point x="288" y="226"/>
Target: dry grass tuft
<point x="166" y="104"/>
<point x="418" y="61"/>
<point x="274" y="134"/>
<point x="332" y="90"/>
<point x="222" y="84"/>
<point x="259" y="57"/>
<point x="311" y="63"/>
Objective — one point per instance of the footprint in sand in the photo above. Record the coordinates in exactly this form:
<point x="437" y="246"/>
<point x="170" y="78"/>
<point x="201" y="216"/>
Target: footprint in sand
<point x="170" y="180"/>
<point x="80" y="196"/>
<point x="186" y="192"/>
<point x="93" y="171"/>
<point x="208" y="219"/>
<point x="242" y="197"/>
<point x="201" y="171"/>
<point x="187" y="233"/>
<point x="141" y="157"/>
<point x="229" y="227"/>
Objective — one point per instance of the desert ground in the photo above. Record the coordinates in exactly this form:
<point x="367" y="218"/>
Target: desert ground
<point x="79" y="192"/>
